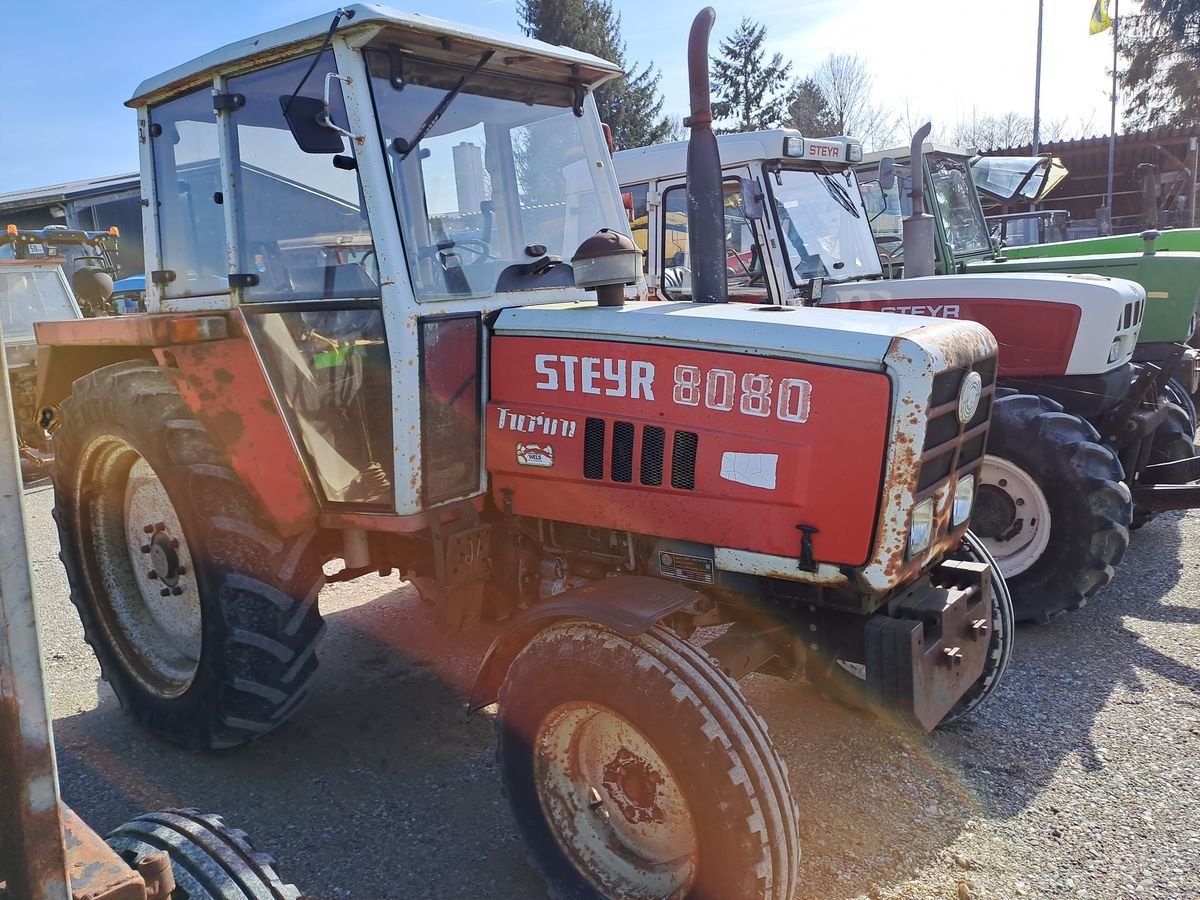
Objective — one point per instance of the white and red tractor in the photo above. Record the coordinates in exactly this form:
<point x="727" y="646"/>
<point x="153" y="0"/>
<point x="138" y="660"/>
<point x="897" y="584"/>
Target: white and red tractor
<point x="370" y="340"/>
<point x="1052" y="505"/>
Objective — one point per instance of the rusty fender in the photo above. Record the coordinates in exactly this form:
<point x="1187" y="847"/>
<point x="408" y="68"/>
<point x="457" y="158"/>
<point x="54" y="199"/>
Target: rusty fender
<point x="627" y="604"/>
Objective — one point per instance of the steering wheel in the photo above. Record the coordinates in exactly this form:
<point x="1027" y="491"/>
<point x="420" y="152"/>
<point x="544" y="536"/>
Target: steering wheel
<point x="443" y="249"/>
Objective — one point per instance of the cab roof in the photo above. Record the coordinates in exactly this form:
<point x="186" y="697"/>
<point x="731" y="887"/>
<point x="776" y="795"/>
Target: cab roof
<point x="669" y="160"/>
<point x="413" y="31"/>
<point x="905" y="151"/>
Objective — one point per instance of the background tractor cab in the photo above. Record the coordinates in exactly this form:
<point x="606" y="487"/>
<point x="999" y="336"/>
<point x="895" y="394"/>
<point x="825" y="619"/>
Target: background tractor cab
<point x="90" y="255"/>
<point x="371" y="241"/>
<point x="813" y="245"/>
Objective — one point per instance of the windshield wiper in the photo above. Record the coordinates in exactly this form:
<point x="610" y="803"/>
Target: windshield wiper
<point x="404" y="147"/>
<point x="839" y="193"/>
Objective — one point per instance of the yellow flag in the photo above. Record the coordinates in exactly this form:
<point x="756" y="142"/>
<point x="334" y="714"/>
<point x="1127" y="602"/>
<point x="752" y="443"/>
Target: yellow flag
<point x="1100" y="19"/>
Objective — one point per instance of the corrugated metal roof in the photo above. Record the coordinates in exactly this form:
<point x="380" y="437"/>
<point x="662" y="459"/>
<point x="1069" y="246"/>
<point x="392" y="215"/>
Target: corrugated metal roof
<point x="68" y="190"/>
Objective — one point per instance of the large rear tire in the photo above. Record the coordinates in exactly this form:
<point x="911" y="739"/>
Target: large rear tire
<point x="635" y="769"/>
<point x="203" y="620"/>
<point x="209" y="860"/>
<point x="1051" y="506"/>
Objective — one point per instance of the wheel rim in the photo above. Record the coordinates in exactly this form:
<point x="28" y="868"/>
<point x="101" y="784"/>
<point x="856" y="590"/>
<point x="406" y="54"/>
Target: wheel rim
<point x="140" y="567"/>
<point x="1011" y="516"/>
<point x="612" y="804"/>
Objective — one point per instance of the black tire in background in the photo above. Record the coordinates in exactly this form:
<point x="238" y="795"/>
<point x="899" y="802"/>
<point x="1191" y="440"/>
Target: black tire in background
<point x="1051" y="506"/>
<point x="689" y="797"/>
<point x="216" y="647"/>
<point x="1173" y="440"/>
<point x="209" y="860"/>
<point x="1175" y="393"/>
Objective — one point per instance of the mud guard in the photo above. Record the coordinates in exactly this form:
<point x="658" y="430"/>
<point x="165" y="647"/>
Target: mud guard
<point x="628" y="604"/>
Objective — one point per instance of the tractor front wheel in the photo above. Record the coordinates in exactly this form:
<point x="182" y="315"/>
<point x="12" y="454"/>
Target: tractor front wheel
<point x="209" y="860"/>
<point x="1051" y="506"/>
<point x="203" y="620"/>
<point x="635" y="769"/>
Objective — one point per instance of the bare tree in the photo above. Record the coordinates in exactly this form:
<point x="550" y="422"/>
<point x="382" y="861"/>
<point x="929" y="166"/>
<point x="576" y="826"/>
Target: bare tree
<point x="846" y="82"/>
<point x="993" y="132"/>
<point x="676" y="130"/>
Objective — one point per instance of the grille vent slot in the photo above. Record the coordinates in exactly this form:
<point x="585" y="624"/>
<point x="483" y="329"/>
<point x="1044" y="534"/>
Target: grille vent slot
<point x="622" y="452"/>
<point x="683" y="460"/>
<point x="593" y="448"/>
<point x="654" y="440"/>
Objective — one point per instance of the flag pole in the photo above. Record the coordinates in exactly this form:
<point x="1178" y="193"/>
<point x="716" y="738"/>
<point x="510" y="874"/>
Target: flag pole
<point x="1112" y="130"/>
<point x="1037" y="84"/>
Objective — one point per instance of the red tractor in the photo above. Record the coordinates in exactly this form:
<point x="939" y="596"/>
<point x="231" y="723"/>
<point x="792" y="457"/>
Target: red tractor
<point x="444" y="400"/>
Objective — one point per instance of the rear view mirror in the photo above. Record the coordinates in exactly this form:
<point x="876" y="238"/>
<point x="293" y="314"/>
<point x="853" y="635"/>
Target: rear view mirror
<point x="752" y="198"/>
<point x="887" y="173"/>
<point x="873" y="198"/>
<point x="305" y="117"/>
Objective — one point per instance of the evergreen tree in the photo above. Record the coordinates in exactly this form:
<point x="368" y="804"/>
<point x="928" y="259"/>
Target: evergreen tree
<point x="631" y="105"/>
<point x="808" y="111"/>
<point x="1162" y="48"/>
<point x="748" y="89"/>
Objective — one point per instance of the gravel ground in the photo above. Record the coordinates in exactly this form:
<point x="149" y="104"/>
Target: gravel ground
<point x="1080" y="778"/>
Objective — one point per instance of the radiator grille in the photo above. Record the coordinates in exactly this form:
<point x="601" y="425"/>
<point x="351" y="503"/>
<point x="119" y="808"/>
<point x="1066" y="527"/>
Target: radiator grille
<point x="616" y="462"/>
<point x="950" y="447"/>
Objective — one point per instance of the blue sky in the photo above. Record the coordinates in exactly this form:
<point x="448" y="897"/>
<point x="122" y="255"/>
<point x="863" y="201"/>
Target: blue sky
<point x="70" y="70"/>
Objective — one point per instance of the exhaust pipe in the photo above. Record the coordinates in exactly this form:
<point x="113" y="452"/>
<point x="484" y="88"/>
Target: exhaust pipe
<point x="918" y="227"/>
<point x="705" y="197"/>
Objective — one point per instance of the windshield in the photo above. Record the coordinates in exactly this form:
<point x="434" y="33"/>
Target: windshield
<point x="31" y="296"/>
<point x="958" y="205"/>
<point x="823" y="225"/>
<point x="507" y="175"/>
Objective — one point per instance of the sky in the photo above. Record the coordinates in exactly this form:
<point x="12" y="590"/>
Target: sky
<point x="63" y="118"/>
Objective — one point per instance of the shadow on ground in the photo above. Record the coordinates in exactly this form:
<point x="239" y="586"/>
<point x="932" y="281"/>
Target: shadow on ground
<point x="382" y="786"/>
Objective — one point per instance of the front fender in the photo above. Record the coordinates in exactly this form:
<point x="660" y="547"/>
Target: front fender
<point x="627" y="604"/>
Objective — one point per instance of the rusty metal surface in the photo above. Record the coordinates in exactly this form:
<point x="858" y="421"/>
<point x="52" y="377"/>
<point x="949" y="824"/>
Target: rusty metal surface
<point x="32" y="855"/>
<point x="628" y="604"/>
<point x="924" y="657"/>
<point x="97" y="873"/>
<point x="137" y="331"/>
<point x="224" y="385"/>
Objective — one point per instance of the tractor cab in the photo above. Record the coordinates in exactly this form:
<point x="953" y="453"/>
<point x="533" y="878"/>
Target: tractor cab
<point x="89" y="258"/>
<point x="364" y="204"/>
<point x="794" y="217"/>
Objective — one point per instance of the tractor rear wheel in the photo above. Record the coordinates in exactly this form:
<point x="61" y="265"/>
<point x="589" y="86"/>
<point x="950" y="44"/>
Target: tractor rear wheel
<point x="204" y="621"/>
<point x="209" y="860"/>
<point x="635" y="769"/>
<point x="1177" y="394"/>
<point x="1051" y="506"/>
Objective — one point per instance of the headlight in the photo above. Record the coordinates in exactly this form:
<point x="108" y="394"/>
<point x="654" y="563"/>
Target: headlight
<point x="964" y="494"/>
<point x="1114" y="352"/>
<point x="920" y="532"/>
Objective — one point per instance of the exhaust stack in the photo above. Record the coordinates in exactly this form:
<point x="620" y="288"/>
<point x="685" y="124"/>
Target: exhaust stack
<point x="705" y="198"/>
<point x="918" y="227"/>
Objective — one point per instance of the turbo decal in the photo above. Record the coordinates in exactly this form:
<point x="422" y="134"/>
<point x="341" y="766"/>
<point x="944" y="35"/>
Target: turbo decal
<point x="535" y="423"/>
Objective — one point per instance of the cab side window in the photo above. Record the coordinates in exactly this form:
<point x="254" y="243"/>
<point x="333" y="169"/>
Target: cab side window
<point x="744" y="271"/>
<point x="634" y="198"/>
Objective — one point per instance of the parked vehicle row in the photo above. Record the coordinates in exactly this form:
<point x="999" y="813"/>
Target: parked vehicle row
<point x="369" y="346"/>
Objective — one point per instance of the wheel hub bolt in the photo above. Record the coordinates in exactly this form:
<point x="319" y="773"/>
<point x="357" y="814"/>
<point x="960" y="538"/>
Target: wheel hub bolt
<point x="165" y="592"/>
<point x="177" y="590"/>
<point x="182" y="570"/>
<point x="152" y="575"/>
<point x="148" y="529"/>
<point x="174" y="543"/>
<point x="146" y="548"/>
